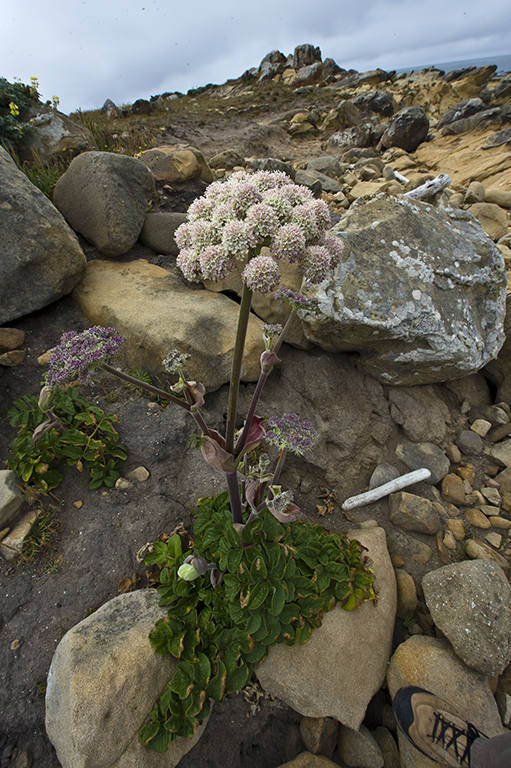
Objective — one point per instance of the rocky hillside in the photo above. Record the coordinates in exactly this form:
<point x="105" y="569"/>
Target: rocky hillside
<point x="406" y="366"/>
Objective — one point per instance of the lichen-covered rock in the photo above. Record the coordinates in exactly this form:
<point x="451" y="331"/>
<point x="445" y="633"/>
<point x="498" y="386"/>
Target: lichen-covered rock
<point x="40" y="257"/>
<point x="420" y="293"/>
<point x="104" y="197"/>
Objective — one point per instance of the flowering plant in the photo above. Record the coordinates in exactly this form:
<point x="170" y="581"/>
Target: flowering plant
<point x="272" y="577"/>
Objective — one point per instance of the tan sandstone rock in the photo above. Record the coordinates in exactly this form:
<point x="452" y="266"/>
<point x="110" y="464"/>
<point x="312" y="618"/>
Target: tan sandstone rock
<point x="323" y="677"/>
<point x="157" y="312"/>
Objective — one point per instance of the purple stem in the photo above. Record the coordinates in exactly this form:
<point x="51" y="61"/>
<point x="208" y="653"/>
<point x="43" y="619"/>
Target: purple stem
<point x="234" y="496"/>
<point x="259" y="388"/>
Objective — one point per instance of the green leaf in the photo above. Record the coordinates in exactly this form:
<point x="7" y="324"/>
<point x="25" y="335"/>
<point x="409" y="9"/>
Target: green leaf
<point x="234" y="559"/>
<point x="258" y="595"/>
<point x="278" y="599"/>
<point x="216" y="685"/>
<point x="174" y="547"/>
<point x="253" y="623"/>
<point x="238" y="678"/>
<point x="258" y="569"/>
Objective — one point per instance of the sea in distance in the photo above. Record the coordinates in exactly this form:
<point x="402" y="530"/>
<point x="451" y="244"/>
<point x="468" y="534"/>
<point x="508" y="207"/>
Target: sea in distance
<point x="503" y="64"/>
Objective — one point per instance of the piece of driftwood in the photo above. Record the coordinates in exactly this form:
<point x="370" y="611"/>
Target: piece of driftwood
<point x="384" y="490"/>
<point x="430" y="187"/>
<point x="401" y="178"/>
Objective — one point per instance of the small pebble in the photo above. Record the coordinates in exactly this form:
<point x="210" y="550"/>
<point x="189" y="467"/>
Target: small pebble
<point x="457" y="529"/>
<point x="449" y="540"/>
<point x="500" y="522"/>
<point x="495" y="539"/>
<point x="140" y="473"/>
<point x="481" y="427"/>
<point x="78" y="504"/>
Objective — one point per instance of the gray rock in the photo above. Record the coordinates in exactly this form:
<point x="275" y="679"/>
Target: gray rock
<point x="10" y="495"/>
<point x="272" y="164"/>
<point x="407" y="129"/>
<point x="470" y="602"/>
<point x="327" y="165"/>
<point x="469" y="442"/>
<point x="388" y="747"/>
<point x="382" y="474"/>
<point x="40" y="257"/>
<point x="323" y="677"/>
<point x="304" y="55"/>
<point x="361" y="135"/>
<point x="422" y="413"/>
<point x="158" y="231"/>
<point x="426" y="455"/>
<point x="420" y="295"/>
<point x="104" y="197"/>
<point x="55" y="136"/>
<point x="229" y="158"/>
<point x="464" y="109"/>
<point x="310" y="177"/>
<point x="413" y="513"/>
<point x="102" y="684"/>
<point x="312" y="73"/>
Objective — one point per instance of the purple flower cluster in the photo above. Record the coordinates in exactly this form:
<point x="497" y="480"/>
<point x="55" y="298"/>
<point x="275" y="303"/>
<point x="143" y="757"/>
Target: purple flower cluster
<point x="289" y="432"/>
<point x="78" y="355"/>
<point x="236" y="218"/>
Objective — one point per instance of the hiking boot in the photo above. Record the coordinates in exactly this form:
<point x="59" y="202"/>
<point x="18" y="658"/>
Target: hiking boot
<point x="434" y="727"/>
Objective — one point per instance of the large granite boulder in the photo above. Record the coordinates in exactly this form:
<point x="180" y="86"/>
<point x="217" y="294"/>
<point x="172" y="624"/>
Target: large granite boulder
<point x="105" y="197"/>
<point x="157" y="312"/>
<point x="55" y="136"/>
<point x="103" y="682"/>
<point x="40" y="257"/>
<point x="420" y="294"/>
<point x="329" y="676"/>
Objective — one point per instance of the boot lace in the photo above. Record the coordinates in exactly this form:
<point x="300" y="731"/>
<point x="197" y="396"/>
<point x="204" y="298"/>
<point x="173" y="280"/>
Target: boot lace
<point x="448" y="735"/>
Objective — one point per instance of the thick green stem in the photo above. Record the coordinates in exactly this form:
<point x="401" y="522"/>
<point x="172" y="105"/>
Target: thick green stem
<point x="239" y="346"/>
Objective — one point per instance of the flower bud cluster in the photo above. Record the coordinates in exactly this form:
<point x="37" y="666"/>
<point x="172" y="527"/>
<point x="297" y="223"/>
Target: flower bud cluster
<point x="235" y="218"/>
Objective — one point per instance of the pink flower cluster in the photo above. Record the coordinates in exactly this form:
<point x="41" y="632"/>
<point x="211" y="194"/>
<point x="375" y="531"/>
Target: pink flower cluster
<point x="235" y="218"/>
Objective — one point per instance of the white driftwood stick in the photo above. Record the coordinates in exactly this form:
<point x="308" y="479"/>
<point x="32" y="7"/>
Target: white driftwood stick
<point x="430" y="187"/>
<point x="384" y="490"/>
<point x="400" y="177"/>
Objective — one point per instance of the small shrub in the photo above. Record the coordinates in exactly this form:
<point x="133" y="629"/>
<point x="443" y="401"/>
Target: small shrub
<point x="87" y="439"/>
<point x="15" y="101"/>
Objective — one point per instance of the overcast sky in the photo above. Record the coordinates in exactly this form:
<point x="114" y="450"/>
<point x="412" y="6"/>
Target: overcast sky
<point x="85" y="51"/>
